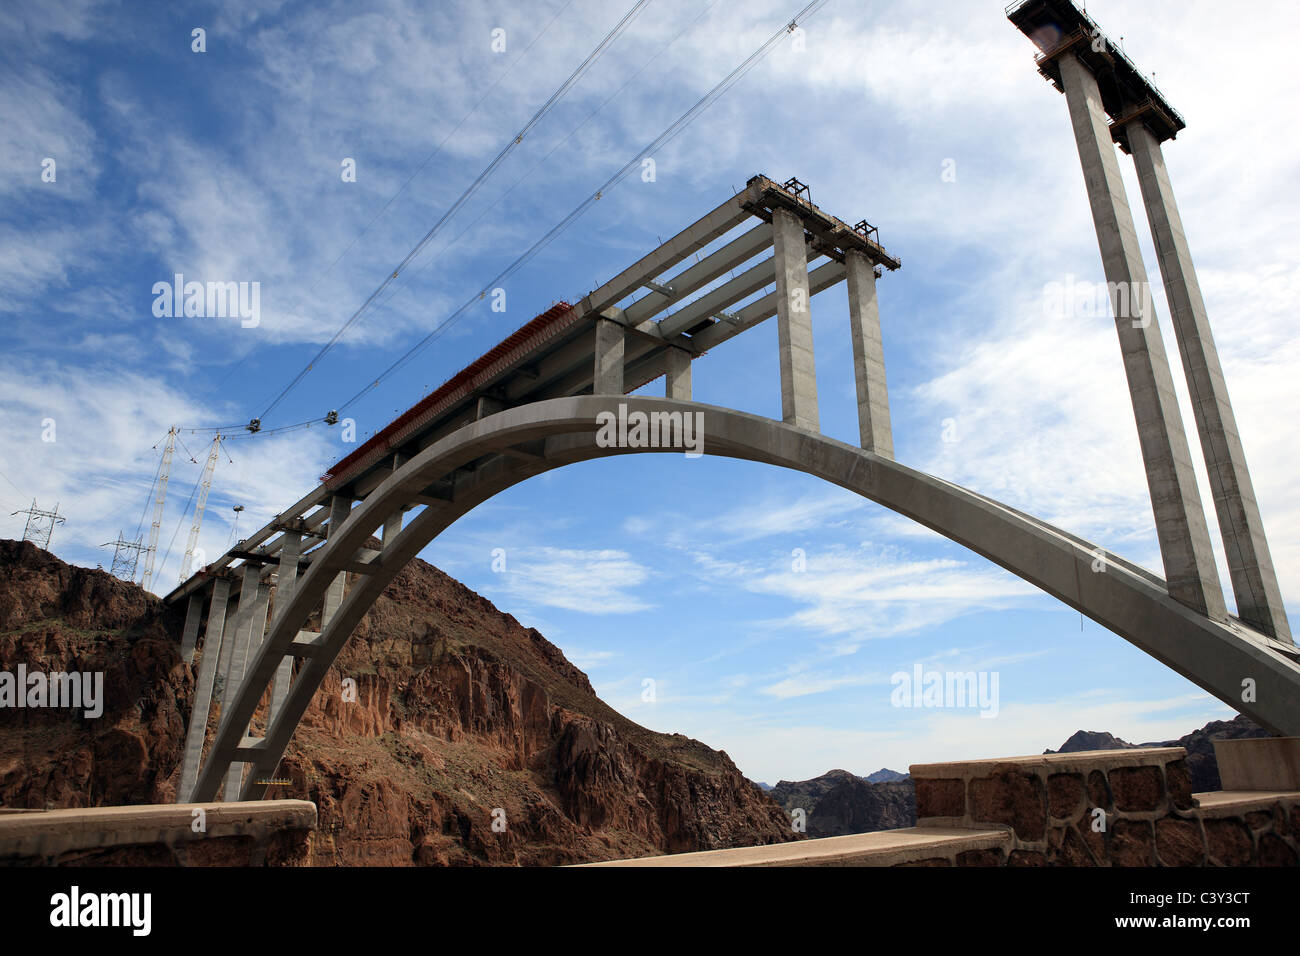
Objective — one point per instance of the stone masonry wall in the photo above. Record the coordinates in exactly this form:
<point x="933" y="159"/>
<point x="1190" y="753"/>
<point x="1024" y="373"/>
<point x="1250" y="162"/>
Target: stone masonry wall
<point x="1105" y="808"/>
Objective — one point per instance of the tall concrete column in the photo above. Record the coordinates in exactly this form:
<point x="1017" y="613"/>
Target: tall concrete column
<point x="392" y="528"/>
<point x="340" y="508"/>
<point x="286" y="581"/>
<point x="874" y="431"/>
<point x="250" y="594"/>
<point x="193" y="614"/>
<point x="609" y="358"/>
<point x="197" y="730"/>
<point x="1180" y="519"/>
<point x="256" y="631"/>
<point x="1250" y="565"/>
<point x="677" y="383"/>
<point x="794" y="322"/>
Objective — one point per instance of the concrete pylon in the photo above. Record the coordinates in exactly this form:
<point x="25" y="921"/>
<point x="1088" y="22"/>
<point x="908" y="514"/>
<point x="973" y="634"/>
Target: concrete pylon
<point x="194" y="735"/>
<point x="1181" y="528"/>
<point x="255" y="628"/>
<point x="286" y="580"/>
<point x="608" y="378"/>
<point x="190" y="636"/>
<point x="250" y="596"/>
<point x="677" y="383"/>
<point x="1250" y="565"/>
<point x="874" y="430"/>
<point x="794" y="322"/>
<point x="340" y="508"/>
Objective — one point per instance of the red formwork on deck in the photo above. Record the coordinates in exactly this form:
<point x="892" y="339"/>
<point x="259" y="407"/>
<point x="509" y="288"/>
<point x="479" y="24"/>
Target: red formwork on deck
<point x="558" y="318"/>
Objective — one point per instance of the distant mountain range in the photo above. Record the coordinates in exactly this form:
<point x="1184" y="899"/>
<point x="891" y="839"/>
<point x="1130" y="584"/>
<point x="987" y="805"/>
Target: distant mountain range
<point x="838" y="802"/>
<point x="1202" y="766"/>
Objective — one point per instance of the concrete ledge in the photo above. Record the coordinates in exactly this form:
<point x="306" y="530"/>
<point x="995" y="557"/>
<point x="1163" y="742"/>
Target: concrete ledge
<point x="230" y="833"/>
<point x="1053" y="763"/>
<point x="1259" y="763"/>
<point x="931" y="845"/>
<point x="1239" y="801"/>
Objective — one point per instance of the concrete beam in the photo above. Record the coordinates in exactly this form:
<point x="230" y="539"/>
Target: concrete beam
<point x="733" y="254"/>
<point x="794" y="322"/>
<point x="1180" y="520"/>
<point x="694" y="237"/>
<point x="1250" y="564"/>
<point x="760" y="310"/>
<point x="724" y="296"/>
<point x="874" y="431"/>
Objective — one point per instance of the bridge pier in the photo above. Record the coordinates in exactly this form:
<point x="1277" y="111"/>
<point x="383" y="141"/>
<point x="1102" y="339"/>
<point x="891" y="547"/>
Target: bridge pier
<point x="610" y="347"/>
<point x="250" y="597"/>
<point x="794" y="322"/>
<point x="286" y="579"/>
<point x="340" y="508"/>
<point x="1179" y="516"/>
<point x="677" y="382"/>
<point x="1250" y="565"/>
<point x="190" y="636"/>
<point x="874" y="429"/>
<point x="194" y="735"/>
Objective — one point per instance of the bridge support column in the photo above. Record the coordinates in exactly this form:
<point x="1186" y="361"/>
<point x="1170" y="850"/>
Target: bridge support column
<point x="874" y="429"/>
<point x="251" y="596"/>
<point x="340" y="508"/>
<point x="609" y="358"/>
<point x="1250" y="565"/>
<point x="286" y="580"/>
<point x="794" y="322"/>
<point x="194" y="735"/>
<point x="677" y="382"/>
<point x="1180" y="519"/>
<point x="190" y="636"/>
<point x="256" y="630"/>
<point x="486" y="405"/>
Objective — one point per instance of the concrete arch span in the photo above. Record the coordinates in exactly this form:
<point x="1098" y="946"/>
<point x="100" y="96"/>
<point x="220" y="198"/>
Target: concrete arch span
<point x="499" y="451"/>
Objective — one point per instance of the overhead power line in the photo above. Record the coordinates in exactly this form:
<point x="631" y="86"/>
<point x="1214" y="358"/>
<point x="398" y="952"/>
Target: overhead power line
<point x="659" y="142"/>
<point x="419" y="169"/>
<point x="464" y="197"/>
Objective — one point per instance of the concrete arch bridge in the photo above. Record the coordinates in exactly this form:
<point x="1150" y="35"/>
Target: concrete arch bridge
<point x="556" y="393"/>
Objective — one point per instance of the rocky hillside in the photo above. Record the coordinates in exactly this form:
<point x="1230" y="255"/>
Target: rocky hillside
<point x="839" y="803"/>
<point x="460" y="712"/>
<point x="1199" y="744"/>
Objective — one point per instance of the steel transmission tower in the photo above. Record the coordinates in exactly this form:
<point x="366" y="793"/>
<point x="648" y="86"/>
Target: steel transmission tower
<point x="40" y="525"/>
<point x="126" y="554"/>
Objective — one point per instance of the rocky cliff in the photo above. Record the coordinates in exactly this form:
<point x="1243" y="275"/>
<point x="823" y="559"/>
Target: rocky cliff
<point x="462" y="718"/>
<point x="838" y="803"/>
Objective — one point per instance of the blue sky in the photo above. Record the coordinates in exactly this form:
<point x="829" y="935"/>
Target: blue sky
<point x="225" y="166"/>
